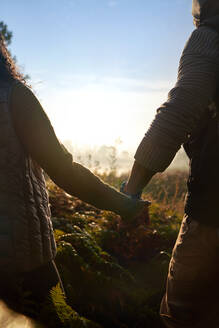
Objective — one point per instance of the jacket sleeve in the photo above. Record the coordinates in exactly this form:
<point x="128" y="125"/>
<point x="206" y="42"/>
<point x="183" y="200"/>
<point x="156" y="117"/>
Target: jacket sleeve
<point x="179" y="116"/>
<point x="39" y="140"/>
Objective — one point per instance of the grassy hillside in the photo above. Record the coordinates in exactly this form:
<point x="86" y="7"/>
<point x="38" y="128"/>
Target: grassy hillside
<point x="113" y="277"/>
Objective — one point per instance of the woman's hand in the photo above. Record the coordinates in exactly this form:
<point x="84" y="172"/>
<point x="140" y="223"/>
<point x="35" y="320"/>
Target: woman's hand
<point x="138" y="217"/>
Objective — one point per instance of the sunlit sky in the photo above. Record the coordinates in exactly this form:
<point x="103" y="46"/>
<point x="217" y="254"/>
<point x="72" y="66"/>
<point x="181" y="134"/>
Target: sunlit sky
<point x="99" y="67"/>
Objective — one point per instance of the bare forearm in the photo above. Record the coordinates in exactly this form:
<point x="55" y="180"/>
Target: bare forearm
<point x="138" y="179"/>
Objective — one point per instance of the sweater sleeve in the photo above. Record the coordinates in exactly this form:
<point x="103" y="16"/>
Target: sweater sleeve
<point x="39" y="140"/>
<point x="179" y="116"/>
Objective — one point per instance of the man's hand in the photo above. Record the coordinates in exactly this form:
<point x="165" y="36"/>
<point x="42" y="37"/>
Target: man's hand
<point x="139" y="178"/>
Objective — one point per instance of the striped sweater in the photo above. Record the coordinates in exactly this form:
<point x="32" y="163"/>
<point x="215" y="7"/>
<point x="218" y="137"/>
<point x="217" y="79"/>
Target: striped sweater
<point x="181" y="114"/>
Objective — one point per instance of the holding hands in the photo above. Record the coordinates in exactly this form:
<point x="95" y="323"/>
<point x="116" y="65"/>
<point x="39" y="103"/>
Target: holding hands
<point x="140" y="216"/>
<point x="138" y="179"/>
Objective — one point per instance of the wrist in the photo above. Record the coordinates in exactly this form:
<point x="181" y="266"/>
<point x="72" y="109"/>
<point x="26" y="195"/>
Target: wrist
<point x="133" y="188"/>
<point x="131" y="191"/>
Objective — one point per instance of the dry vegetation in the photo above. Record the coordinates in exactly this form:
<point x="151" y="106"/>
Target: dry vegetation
<point x="113" y="277"/>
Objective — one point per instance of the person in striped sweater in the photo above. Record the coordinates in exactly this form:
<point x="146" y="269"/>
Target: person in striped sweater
<point x="189" y="117"/>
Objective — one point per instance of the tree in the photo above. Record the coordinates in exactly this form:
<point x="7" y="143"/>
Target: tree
<point x="6" y="33"/>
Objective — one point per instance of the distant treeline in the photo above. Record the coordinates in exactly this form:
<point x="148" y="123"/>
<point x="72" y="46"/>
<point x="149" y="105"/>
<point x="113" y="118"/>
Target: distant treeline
<point x="112" y="158"/>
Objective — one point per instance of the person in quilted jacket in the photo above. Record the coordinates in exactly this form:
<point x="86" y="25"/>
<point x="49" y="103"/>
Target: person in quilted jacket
<point x="29" y="146"/>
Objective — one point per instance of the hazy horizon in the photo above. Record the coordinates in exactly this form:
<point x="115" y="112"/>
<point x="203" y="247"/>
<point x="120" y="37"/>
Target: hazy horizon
<point x="108" y="158"/>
